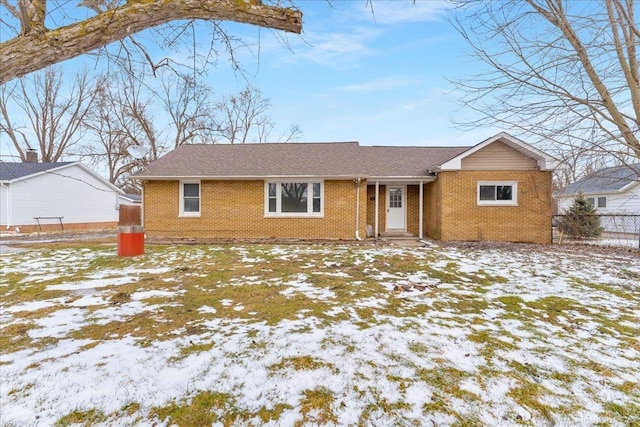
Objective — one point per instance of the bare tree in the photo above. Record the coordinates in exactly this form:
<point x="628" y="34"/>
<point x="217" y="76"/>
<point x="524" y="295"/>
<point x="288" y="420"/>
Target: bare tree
<point x="34" y="46"/>
<point x="244" y="118"/>
<point x="109" y="123"/>
<point x="53" y="118"/>
<point x="566" y="71"/>
<point x="189" y="108"/>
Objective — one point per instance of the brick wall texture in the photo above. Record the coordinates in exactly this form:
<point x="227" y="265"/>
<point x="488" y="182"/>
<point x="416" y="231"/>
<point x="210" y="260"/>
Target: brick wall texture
<point x="235" y="209"/>
<point x="457" y="215"/>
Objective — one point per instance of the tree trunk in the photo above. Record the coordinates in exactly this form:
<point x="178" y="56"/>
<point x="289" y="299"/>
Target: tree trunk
<point x="38" y="49"/>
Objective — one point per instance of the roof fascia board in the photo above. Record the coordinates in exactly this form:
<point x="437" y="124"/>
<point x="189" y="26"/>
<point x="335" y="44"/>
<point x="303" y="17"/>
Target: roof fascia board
<point x="244" y="177"/>
<point x="545" y="162"/>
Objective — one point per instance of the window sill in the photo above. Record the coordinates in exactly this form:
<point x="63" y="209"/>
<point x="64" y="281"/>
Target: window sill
<point x="189" y="215"/>
<point x="494" y="204"/>
<point x="292" y="215"/>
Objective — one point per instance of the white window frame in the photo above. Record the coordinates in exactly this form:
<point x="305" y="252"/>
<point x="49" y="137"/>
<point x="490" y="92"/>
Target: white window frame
<point x="514" y="193"/>
<point x="181" y="199"/>
<point x="279" y="214"/>
<point x="596" y="200"/>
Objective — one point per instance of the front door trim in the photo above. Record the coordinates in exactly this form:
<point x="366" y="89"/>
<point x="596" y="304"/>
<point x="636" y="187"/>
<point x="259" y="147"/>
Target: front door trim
<point x="396" y="216"/>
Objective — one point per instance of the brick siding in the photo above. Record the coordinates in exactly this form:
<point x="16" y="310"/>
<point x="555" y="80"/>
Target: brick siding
<point x="235" y="209"/>
<point x="461" y="218"/>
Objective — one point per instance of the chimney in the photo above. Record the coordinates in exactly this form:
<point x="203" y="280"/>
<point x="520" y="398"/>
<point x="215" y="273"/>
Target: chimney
<point x="32" y="156"/>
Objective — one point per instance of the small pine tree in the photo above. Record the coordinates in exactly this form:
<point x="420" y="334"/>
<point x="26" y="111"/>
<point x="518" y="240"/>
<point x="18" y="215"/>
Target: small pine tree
<point x="580" y="220"/>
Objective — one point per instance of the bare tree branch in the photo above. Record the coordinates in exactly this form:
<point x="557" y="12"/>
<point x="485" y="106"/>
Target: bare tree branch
<point x="54" y="118"/>
<point x="38" y="47"/>
<point x="564" y="71"/>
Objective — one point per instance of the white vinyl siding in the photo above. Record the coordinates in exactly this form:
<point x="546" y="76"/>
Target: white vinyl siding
<point x="498" y="156"/>
<point x="627" y="202"/>
<point x="70" y="192"/>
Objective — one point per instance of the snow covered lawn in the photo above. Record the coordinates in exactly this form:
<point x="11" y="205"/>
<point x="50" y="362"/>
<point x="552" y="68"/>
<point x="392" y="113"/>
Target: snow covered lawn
<point x="465" y="334"/>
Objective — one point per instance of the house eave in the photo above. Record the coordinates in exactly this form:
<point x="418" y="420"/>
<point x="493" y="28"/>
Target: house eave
<point x="242" y="177"/>
<point x="422" y="178"/>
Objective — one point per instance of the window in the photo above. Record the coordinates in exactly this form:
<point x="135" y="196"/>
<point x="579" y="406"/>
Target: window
<point x="591" y="201"/>
<point x="600" y="200"/>
<point x="294" y="198"/>
<point x="190" y="198"/>
<point x="497" y="193"/>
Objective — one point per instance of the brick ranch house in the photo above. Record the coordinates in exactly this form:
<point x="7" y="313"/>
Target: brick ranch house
<point x="499" y="189"/>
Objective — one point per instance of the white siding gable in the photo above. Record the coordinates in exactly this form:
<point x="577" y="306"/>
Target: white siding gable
<point x="70" y="192"/>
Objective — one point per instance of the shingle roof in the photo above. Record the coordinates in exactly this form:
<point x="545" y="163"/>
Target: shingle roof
<point x="337" y="159"/>
<point x="248" y="160"/>
<point x="12" y="171"/>
<point x="606" y="180"/>
<point x="406" y="161"/>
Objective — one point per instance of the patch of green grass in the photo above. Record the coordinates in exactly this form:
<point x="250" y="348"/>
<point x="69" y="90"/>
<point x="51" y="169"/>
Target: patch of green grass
<point x="446" y="380"/>
<point x="81" y="417"/>
<point x="120" y="298"/>
<point x="315" y="407"/>
<point x="200" y="411"/>
<point x="272" y="414"/>
<point x="130" y="408"/>
<point x="528" y="394"/>
<point x="628" y="413"/>
<point x="489" y="343"/>
<point x="15" y="337"/>
<point x="195" y="348"/>
<point x="466" y="304"/>
<point x="615" y="327"/>
<point x="300" y="363"/>
<point x="511" y="303"/>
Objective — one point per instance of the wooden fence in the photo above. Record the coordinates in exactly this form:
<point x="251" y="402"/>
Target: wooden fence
<point x="130" y="215"/>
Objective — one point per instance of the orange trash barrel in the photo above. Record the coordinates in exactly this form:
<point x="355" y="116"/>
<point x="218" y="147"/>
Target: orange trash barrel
<point x="130" y="240"/>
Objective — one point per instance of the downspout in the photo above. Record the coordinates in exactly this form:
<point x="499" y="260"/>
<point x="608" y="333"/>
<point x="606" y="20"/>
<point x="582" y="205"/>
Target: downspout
<point x="8" y="204"/>
<point x="357" y="181"/>
<point x="421" y="212"/>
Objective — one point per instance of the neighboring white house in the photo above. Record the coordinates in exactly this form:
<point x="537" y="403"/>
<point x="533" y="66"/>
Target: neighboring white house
<point x="54" y="196"/>
<point x="612" y="191"/>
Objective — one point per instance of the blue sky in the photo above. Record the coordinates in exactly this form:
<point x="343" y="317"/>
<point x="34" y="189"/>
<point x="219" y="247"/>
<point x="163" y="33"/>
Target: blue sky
<point x="378" y="78"/>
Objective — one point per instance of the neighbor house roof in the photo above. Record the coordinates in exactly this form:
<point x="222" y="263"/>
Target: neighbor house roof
<point x="608" y="180"/>
<point x="15" y="171"/>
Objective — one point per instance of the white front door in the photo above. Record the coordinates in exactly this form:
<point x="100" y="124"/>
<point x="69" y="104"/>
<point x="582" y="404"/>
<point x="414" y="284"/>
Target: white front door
<point x="395" y="208"/>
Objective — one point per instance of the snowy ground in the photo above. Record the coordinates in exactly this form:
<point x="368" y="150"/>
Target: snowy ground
<point x="461" y="334"/>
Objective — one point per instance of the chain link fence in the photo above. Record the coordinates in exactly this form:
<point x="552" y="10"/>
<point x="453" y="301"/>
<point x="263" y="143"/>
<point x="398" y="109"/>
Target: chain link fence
<point x="617" y="230"/>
